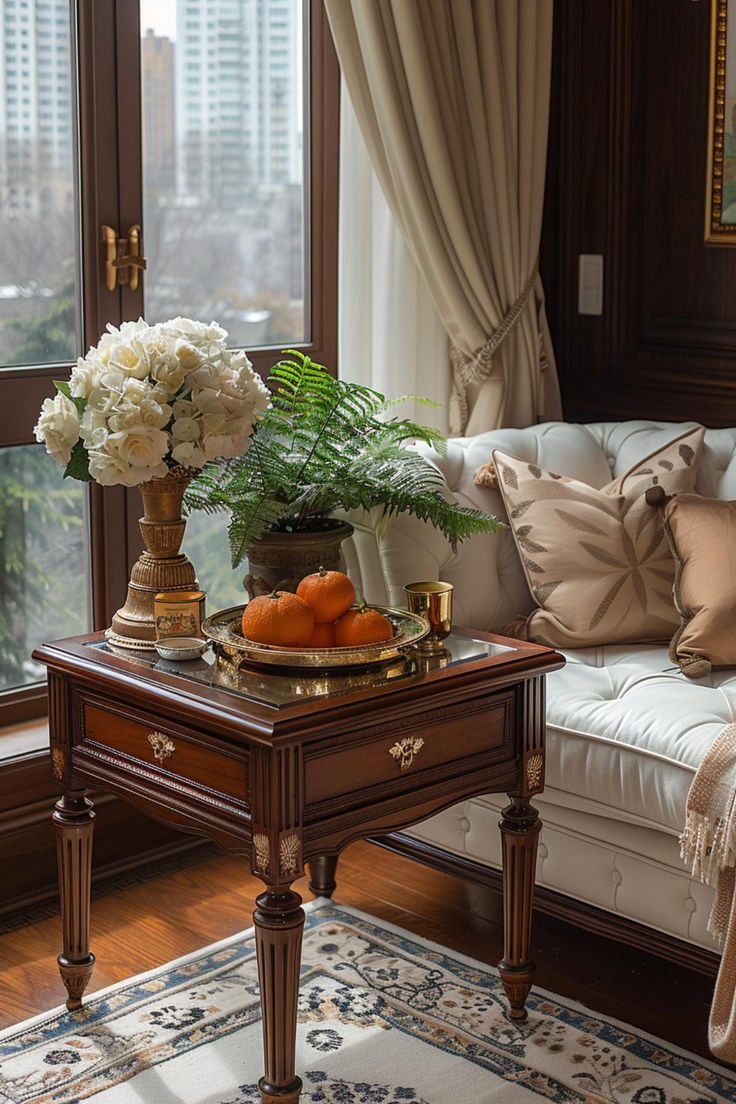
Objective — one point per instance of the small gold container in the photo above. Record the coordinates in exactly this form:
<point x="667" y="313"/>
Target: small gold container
<point x="433" y="602"/>
<point x="179" y="613"/>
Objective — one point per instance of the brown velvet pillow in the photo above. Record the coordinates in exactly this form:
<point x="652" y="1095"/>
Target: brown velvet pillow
<point x="702" y="534"/>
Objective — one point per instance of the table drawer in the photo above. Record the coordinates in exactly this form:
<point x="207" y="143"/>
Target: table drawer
<point x="163" y="746"/>
<point x="443" y="743"/>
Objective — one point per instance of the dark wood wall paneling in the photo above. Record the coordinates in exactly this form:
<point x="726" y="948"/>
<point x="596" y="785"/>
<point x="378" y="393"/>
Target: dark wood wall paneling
<point x="626" y="178"/>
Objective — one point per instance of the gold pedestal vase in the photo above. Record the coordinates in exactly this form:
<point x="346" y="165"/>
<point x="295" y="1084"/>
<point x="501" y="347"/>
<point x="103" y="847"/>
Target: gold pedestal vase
<point x="160" y="567"/>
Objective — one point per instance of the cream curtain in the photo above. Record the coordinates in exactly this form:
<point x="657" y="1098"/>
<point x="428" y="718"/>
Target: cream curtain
<point x="452" y="98"/>
<point x="390" y="336"/>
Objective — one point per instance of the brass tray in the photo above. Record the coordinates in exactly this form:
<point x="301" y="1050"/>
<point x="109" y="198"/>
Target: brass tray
<point x="223" y="629"/>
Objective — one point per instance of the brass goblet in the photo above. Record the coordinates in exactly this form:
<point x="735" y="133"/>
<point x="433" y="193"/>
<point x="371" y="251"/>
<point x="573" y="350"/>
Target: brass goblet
<point x="433" y="602"/>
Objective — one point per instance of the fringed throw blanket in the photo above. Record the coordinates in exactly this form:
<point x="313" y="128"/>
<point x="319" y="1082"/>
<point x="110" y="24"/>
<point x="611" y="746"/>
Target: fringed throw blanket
<point x="708" y="845"/>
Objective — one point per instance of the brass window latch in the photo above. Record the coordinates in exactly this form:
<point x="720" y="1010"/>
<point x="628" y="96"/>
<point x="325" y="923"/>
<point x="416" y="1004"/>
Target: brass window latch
<point x="123" y="258"/>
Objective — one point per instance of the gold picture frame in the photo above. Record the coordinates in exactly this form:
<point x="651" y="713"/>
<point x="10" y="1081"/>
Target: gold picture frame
<point x="720" y="203"/>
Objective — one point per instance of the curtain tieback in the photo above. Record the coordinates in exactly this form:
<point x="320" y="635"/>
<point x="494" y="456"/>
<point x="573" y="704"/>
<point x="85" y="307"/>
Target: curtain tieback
<point x="477" y="367"/>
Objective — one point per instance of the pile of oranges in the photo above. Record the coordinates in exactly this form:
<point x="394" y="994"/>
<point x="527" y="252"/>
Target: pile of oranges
<point x="320" y="615"/>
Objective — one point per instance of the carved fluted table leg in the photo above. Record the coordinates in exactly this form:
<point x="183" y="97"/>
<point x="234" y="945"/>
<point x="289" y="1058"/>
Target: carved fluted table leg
<point x="279" y="922"/>
<point x="322" y="875"/>
<point x="74" y="821"/>
<point x="520" y="827"/>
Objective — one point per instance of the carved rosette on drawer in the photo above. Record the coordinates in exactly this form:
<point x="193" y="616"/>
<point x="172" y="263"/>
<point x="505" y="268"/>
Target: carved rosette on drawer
<point x="404" y="751"/>
<point x="163" y="747"/>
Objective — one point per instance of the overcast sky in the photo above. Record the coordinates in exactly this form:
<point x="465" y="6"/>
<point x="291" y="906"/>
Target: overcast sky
<point x="160" y="16"/>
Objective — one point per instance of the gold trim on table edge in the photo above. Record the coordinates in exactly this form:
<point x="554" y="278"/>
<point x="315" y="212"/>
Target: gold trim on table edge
<point x="409" y="629"/>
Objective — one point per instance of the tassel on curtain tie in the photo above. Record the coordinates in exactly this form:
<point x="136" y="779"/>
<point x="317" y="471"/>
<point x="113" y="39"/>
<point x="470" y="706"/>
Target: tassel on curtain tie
<point x="467" y="370"/>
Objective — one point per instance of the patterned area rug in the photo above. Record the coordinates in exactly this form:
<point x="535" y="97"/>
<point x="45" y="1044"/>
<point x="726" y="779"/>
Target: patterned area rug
<point x="384" y="1018"/>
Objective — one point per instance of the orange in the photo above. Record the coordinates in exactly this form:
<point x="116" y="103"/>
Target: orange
<point x="362" y="626"/>
<point x="280" y="618"/>
<point x="323" y="635"/>
<point x="329" y="593"/>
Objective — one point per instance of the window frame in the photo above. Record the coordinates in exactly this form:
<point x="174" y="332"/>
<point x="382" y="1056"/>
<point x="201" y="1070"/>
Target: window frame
<point x="106" y="34"/>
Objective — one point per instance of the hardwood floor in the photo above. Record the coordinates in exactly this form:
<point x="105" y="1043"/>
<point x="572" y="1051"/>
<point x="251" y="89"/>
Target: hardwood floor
<point x="145" y="925"/>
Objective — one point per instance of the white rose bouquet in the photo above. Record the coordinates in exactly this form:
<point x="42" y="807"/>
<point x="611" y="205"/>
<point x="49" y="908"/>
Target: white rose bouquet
<point x="148" y="398"/>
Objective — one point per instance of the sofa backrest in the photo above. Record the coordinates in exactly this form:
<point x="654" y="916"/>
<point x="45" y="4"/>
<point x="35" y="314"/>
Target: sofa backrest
<point x="490" y="588"/>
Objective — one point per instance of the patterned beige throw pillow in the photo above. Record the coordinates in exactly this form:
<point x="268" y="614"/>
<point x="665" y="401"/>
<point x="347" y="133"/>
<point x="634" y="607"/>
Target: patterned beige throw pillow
<point x="597" y="561"/>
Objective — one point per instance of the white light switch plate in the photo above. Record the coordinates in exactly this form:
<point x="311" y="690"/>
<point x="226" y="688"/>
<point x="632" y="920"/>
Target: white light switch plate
<point x="590" y="284"/>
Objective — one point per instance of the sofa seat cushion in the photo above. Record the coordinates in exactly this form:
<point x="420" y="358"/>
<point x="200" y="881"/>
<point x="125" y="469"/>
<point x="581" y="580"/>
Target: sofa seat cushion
<point x="626" y="732"/>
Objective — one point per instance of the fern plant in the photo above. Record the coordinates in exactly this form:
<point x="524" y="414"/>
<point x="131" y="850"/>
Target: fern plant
<point x="323" y="445"/>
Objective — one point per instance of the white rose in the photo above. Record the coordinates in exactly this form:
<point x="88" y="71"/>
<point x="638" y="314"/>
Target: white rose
<point x="135" y="390"/>
<point x="58" y="427"/>
<point x="186" y="326"/>
<point x="239" y="361"/>
<point x="111" y="471"/>
<point x="184" y="408"/>
<point x="233" y="385"/>
<point x="215" y="421"/>
<point x="154" y="414"/>
<point x="188" y="455"/>
<point x="215" y="334"/>
<point x="149" y="413"/>
<point x="96" y="438"/>
<point x="240" y="430"/>
<point x="105" y="469"/>
<point x="203" y="377"/>
<point x="91" y="422"/>
<point x="169" y="372"/>
<point x="218" y="445"/>
<point x="130" y="329"/>
<point x="185" y="429"/>
<point x="102" y="401"/>
<point x="250" y="387"/>
<point x="207" y="400"/>
<point x="261" y="395"/>
<point x="233" y="404"/>
<point x="86" y="374"/>
<point x="139" y="446"/>
<point x="140" y="402"/>
<point x="187" y="355"/>
<point x="115" y="335"/>
<point x="113" y="379"/>
<point x="131" y="358"/>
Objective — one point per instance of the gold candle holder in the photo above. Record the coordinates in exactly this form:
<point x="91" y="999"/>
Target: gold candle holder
<point x="433" y="602"/>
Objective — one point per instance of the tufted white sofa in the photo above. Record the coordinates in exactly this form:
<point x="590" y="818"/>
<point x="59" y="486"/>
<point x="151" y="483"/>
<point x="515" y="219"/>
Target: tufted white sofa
<point x="626" y="730"/>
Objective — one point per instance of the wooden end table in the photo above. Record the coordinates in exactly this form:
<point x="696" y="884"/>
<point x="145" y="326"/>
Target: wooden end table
<point x="288" y="769"/>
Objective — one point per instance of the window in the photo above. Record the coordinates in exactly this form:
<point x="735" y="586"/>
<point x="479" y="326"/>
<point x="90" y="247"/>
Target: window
<point x="203" y="188"/>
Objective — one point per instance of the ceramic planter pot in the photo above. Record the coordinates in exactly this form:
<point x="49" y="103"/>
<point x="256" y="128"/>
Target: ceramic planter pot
<point x="281" y="560"/>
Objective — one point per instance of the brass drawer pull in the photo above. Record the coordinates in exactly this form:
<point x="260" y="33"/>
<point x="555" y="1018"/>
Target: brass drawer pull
<point x="405" y="750"/>
<point x="163" y="747"/>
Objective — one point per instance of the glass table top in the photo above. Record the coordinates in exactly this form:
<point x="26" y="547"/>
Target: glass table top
<point x="281" y="687"/>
